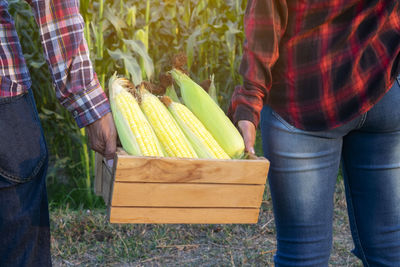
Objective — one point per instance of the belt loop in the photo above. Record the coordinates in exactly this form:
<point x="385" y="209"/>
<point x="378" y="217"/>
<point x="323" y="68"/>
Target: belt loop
<point x="398" y="79"/>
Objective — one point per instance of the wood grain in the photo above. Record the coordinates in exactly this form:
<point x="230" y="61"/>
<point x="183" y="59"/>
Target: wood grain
<point x="108" y="181"/>
<point x="98" y="166"/>
<point x="186" y="195"/>
<point x="172" y="190"/>
<point x="167" y="170"/>
<point x="183" y="215"/>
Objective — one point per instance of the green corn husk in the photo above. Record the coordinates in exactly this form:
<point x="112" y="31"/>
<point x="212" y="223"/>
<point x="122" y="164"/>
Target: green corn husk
<point x="201" y="151"/>
<point x="212" y="91"/>
<point x="210" y="114"/>
<point x="167" y="84"/>
<point x="198" y="145"/>
<point x="171" y="92"/>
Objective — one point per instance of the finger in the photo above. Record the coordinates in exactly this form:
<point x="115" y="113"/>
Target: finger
<point x="247" y="138"/>
<point x="248" y="144"/>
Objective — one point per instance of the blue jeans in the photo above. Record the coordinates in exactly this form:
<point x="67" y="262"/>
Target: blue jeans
<point x="24" y="216"/>
<point x="302" y="178"/>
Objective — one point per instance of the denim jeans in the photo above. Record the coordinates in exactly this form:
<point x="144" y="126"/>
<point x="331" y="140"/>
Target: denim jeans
<point x="302" y="178"/>
<point x="24" y="216"/>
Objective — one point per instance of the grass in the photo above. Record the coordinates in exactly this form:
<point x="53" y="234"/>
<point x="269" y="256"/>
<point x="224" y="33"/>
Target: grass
<point x="85" y="238"/>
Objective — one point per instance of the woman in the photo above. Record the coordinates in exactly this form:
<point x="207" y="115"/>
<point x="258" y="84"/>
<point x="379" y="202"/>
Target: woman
<point x="322" y="74"/>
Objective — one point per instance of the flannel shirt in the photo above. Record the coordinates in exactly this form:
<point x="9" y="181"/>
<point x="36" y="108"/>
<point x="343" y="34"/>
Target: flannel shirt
<point x="317" y="63"/>
<point x="61" y="32"/>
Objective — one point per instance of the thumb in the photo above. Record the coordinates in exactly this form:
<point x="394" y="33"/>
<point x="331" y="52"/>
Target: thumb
<point x="249" y="147"/>
<point x="248" y="144"/>
<point x="248" y="131"/>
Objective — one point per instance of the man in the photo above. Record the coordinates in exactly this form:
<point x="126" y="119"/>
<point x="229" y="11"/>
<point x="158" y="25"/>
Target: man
<point x="24" y="217"/>
<point x="322" y="74"/>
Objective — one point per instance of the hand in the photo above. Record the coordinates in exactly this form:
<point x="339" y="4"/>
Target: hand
<point x="248" y="131"/>
<point x="103" y="136"/>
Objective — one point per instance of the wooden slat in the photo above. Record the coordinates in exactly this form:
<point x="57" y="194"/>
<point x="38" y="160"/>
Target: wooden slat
<point x="107" y="182"/>
<point x="187" y="195"/>
<point x="98" y="186"/>
<point x="183" y="215"/>
<point x="166" y="170"/>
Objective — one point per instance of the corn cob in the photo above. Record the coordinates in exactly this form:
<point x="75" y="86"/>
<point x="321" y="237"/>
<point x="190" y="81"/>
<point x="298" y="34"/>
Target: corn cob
<point x="165" y="127"/>
<point x="201" y="139"/>
<point x="210" y="114"/>
<point x="135" y="132"/>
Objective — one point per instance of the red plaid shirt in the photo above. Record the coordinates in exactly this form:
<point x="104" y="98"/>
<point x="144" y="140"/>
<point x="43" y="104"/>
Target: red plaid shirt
<point x="61" y="31"/>
<point x="318" y="64"/>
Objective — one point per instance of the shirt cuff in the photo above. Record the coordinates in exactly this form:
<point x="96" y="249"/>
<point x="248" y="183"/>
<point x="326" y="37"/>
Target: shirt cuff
<point x="245" y="105"/>
<point x="243" y="112"/>
<point x="88" y="105"/>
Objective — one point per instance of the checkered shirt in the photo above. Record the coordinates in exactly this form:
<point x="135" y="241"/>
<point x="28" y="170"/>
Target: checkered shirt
<point x="317" y="63"/>
<point x="61" y="32"/>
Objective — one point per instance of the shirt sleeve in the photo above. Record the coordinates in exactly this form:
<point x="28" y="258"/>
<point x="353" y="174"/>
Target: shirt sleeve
<point x="61" y="30"/>
<point x="264" y="24"/>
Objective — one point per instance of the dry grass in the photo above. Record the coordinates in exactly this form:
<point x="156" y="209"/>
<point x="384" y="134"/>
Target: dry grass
<point x="84" y="238"/>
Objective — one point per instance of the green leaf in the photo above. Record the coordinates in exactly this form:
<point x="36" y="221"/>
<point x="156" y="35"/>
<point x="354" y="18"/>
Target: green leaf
<point x="130" y="63"/>
<point x="201" y="5"/>
<point x="36" y="64"/>
<point x="139" y="48"/>
<point x="48" y="112"/>
<point x="191" y="43"/>
<point x="186" y="13"/>
<point x="115" y="20"/>
<point x="230" y="35"/>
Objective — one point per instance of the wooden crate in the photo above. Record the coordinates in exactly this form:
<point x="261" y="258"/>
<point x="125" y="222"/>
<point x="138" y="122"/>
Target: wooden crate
<point x="173" y="190"/>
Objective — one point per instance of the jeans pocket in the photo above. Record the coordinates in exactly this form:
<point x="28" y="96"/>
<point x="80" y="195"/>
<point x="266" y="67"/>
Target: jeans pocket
<point x="283" y="121"/>
<point x="23" y="149"/>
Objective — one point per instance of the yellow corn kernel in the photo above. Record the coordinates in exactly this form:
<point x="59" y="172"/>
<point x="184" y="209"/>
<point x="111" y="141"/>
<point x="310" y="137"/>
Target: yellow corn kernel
<point x="210" y="114"/>
<point x="195" y="131"/>
<point x="165" y="127"/>
<point x="198" y="128"/>
<point x="135" y="132"/>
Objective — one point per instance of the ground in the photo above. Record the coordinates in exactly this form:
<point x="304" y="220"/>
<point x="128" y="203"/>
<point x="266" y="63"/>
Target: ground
<point x="85" y="238"/>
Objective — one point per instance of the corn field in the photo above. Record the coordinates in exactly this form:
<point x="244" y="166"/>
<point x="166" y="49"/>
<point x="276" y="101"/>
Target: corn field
<point x="138" y="40"/>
